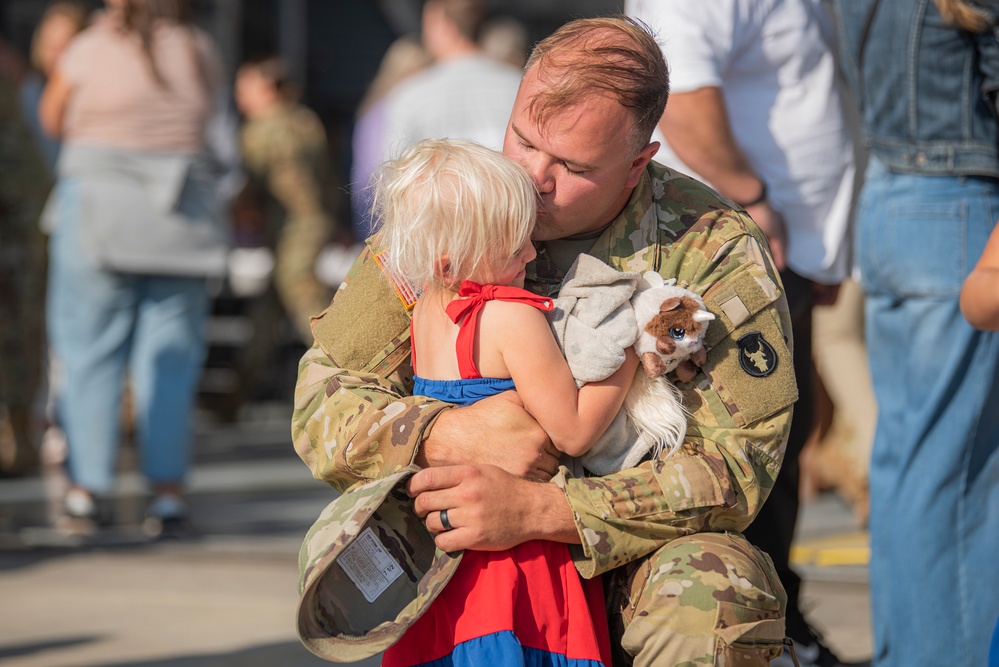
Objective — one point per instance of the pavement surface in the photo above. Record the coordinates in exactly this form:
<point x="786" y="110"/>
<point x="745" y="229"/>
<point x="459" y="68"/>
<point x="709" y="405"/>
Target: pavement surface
<point x="227" y="594"/>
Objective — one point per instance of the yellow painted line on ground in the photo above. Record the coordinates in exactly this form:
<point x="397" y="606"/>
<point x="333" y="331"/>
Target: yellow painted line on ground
<point x="846" y="549"/>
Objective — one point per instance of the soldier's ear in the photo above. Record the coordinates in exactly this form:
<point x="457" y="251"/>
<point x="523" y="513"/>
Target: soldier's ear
<point x="639" y="163"/>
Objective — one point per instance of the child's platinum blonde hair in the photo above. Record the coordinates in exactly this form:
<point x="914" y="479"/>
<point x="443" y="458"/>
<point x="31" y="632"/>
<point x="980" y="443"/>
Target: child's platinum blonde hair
<point x="455" y="201"/>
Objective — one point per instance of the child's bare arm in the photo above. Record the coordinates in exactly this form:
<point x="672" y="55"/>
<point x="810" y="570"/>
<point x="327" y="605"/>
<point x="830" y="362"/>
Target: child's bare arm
<point x="980" y="293"/>
<point x="573" y="418"/>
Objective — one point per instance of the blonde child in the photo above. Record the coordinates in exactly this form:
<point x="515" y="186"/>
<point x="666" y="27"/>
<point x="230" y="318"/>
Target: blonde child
<point x="455" y="222"/>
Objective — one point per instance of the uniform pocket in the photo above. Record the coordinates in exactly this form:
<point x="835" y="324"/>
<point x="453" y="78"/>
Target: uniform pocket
<point x="747" y="636"/>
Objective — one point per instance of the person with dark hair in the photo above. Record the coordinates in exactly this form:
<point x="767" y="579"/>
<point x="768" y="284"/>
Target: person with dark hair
<point x="683" y="585"/>
<point x="287" y="160"/>
<point x="464" y="94"/>
<point x="135" y="231"/>
<point x="928" y="206"/>
<point x="60" y="23"/>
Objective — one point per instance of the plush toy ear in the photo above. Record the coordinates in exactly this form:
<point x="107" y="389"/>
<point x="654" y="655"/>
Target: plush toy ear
<point x="703" y="316"/>
<point x="653" y="279"/>
<point x="669" y="304"/>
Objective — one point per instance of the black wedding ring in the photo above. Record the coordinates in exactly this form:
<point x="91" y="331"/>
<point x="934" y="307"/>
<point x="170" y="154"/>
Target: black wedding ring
<point x="444" y="522"/>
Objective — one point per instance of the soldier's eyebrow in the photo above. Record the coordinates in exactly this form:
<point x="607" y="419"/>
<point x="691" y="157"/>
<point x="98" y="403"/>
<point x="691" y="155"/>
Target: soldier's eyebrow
<point x="580" y="166"/>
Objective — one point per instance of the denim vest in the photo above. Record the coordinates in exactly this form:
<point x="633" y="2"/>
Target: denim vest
<point x="927" y="90"/>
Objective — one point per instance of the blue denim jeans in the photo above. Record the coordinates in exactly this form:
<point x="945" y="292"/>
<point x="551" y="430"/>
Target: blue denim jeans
<point x="934" y="475"/>
<point x="103" y="325"/>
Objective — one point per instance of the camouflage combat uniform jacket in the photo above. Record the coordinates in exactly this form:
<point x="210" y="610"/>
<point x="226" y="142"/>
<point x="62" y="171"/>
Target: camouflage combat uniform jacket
<point x="355" y="419"/>
<point x="287" y="158"/>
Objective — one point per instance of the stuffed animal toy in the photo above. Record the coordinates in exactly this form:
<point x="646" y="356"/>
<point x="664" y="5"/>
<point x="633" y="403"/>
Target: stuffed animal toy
<point x="599" y="313"/>
<point x="672" y="322"/>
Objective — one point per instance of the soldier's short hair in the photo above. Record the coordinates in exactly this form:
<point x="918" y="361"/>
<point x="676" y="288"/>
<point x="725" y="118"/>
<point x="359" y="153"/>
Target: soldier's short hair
<point x="455" y="200"/>
<point x="466" y="15"/>
<point x="617" y="56"/>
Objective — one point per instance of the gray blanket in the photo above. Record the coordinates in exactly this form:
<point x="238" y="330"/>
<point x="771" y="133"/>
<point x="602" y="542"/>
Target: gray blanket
<point x="593" y="320"/>
<point x="594" y="324"/>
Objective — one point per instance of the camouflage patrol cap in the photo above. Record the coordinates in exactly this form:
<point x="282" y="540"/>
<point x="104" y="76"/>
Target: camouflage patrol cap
<point x="367" y="570"/>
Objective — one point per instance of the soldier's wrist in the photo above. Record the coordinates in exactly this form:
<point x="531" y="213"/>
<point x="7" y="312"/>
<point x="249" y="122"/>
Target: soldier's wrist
<point x="430" y="450"/>
<point x="759" y="199"/>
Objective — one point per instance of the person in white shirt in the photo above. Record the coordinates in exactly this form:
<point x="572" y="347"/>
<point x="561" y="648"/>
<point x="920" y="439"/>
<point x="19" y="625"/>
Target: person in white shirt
<point x="756" y="113"/>
<point x="465" y="94"/>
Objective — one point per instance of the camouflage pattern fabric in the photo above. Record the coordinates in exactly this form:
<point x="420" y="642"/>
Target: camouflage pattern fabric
<point x="368" y="568"/>
<point x="354" y="419"/>
<point x="701" y="595"/>
<point x="24" y="187"/>
<point x="287" y="158"/>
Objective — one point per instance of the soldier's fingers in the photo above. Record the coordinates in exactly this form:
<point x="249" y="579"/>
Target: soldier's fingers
<point x="431" y="502"/>
<point x="435" y="523"/>
<point x="455" y="540"/>
<point x="432" y="479"/>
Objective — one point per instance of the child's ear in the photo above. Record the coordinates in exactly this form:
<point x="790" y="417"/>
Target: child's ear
<point x="443" y="268"/>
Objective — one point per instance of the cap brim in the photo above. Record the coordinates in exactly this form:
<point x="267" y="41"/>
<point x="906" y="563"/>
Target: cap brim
<point x="368" y="569"/>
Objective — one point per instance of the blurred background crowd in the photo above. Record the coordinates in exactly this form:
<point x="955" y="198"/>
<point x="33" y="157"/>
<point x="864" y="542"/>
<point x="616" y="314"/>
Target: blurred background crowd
<point x="299" y="117"/>
<point x="183" y="184"/>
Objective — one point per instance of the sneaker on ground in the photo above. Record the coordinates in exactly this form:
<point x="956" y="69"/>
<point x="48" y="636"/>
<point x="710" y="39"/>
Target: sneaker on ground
<point x="166" y="517"/>
<point x="79" y="503"/>
<point x="83" y="514"/>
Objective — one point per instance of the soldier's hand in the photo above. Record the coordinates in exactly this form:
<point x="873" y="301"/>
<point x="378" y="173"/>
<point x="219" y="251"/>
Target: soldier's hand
<point x="772" y="224"/>
<point x="494" y="431"/>
<point x="488" y="509"/>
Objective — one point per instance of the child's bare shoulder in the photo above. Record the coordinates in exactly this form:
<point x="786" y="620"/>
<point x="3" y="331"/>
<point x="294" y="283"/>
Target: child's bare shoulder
<point x="512" y="314"/>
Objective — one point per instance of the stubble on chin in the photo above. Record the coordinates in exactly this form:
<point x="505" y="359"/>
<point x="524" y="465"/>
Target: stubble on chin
<point x="544" y="228"/>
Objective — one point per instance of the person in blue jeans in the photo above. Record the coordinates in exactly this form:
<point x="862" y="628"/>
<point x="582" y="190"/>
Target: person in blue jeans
<point x="136" y="231"/>
<point x="925" y="74"/>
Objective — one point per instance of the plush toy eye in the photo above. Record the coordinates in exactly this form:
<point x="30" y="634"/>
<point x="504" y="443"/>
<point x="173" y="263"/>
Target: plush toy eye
<point x="676" y="333"/>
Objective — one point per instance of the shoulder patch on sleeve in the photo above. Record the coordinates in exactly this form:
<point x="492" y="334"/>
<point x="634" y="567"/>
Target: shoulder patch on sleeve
<point x="756" y="356"/>
<point x="749" y="361"/>
<point x="367" y="325"/>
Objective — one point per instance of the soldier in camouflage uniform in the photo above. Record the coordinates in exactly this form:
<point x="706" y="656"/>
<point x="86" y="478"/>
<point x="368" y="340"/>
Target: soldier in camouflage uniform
<point x="684" y="587"/>
<point x="286" y="156"/>
<point x="23" y="189"/>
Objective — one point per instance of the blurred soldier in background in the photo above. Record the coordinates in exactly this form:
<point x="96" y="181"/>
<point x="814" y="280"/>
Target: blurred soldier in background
<point x="286" y="157"/>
